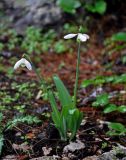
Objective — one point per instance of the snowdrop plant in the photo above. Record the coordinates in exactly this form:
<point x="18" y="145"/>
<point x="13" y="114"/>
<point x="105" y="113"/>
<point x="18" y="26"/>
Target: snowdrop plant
<point x="68" y="119"/>
<point x="80" y="38"/>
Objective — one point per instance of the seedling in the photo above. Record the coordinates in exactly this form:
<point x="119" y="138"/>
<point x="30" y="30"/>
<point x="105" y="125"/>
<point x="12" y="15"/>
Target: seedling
<point x="103" y="101"/>
<point x="116" y="129"/>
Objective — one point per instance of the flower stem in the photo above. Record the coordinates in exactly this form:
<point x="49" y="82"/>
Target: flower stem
<point x="77" y="74"/>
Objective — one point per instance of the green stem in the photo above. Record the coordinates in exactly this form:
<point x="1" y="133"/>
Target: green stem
<point x="77" y="75"/>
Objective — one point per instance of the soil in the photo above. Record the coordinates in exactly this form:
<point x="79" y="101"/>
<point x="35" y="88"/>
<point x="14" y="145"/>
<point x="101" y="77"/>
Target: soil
<point x="27" y="141"/>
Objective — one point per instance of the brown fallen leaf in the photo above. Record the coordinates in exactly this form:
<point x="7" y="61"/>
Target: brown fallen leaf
<point x="30" y="135"/>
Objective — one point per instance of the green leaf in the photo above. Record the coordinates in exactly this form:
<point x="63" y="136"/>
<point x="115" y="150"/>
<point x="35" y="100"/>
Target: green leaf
<point x="54" y="106"/>
<point x="113" y="133"/>
<point x="122" y="109"/>
<point x="60" y="126"/>
<point x="101" y="100"/>
<point x="99" y="80"/>
<point x="55" y="120"/>
<point x="109" y="79"/>
<point x="29" y="119"/>
<point x="60" y="120"/>
<point x="69" y="6"/>
<point x="123" y="59"/>
<point x="1" y="117"/>
<point x="64" y="126"/>
<point x="71" y="119"/>
<point x="56" y="117"/>
<point x="121" y="36"/>
<point x="95" y="104"/>
<point x="80" y="117"/>
<point x="71" y="111"/>
<point x="87" y="82"/>
<point x="65" y="112"/>
<point x="100" y="6"/>
<point x="117" y="126"/>
<point x="64" y="96"/>
<point x="75" y="121"/>
<point x="65" y="115"/>
<point x="1" y="142"/>
<point x="120" y="79"/>
<point x="110" y="108"/>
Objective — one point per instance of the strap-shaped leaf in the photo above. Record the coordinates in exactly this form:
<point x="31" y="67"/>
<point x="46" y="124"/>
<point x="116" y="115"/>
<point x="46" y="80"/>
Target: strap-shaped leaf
<point x="64" y="96"/>
<point x="75" y="121"/>
<point x="79" y="120"/>
<point x="1" y="142"/>
<point x="59" y="126"/>
<point x="54" y="106"/>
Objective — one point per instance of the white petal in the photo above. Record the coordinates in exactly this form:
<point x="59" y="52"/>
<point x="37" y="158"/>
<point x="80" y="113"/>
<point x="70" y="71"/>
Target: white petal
<point x="87" y="36"/>
<point x="18" y="63"/>
<point x="27" y="64"/>
<point x="68" y="36"/>
<point x="82" y="37"/>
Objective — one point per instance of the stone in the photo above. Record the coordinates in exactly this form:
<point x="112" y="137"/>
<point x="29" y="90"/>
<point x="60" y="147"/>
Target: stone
<point x="91" y="158"/>
<point x="46" y="158"/>
<point x="113" y="154"/>
<point x="46" y="151"/>
<point x="73" y="146"/>
<point x="23" y="13"/>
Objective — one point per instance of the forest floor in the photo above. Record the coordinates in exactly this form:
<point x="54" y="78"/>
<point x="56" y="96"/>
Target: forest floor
<point x="25" y="141"/>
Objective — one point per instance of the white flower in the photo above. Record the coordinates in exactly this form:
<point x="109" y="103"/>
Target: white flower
<point x="23" y="62"/>
<point x="81" y="37"/>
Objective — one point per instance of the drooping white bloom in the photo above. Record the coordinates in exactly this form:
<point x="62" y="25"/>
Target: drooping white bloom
<point x="81" y="37"/>
<point x="71" y="35"/>
<point x="23" y="62"/>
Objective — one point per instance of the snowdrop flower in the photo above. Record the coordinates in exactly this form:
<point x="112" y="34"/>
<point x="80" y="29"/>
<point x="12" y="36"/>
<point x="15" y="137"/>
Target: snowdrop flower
<point x="23" y="62"/>
<point x="80" y="37"/>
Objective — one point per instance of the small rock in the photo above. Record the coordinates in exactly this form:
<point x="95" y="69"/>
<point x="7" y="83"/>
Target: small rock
<point x="10" y="157"/>
<point x="83" y="122"/>
<point x="73" y="146"/>
<point x="24" y="147"/>
<point x="91" y="158"/>
<point x="6" y="54"/>
<point x="23" y="13"/>
<point x="113" y="154"/>
<point x="65" y="158"/>
<point x="108" y="156"/>
<point x="72" y="156"/>
<point x="46" y="151"/>
<point x="46" y="158"/>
